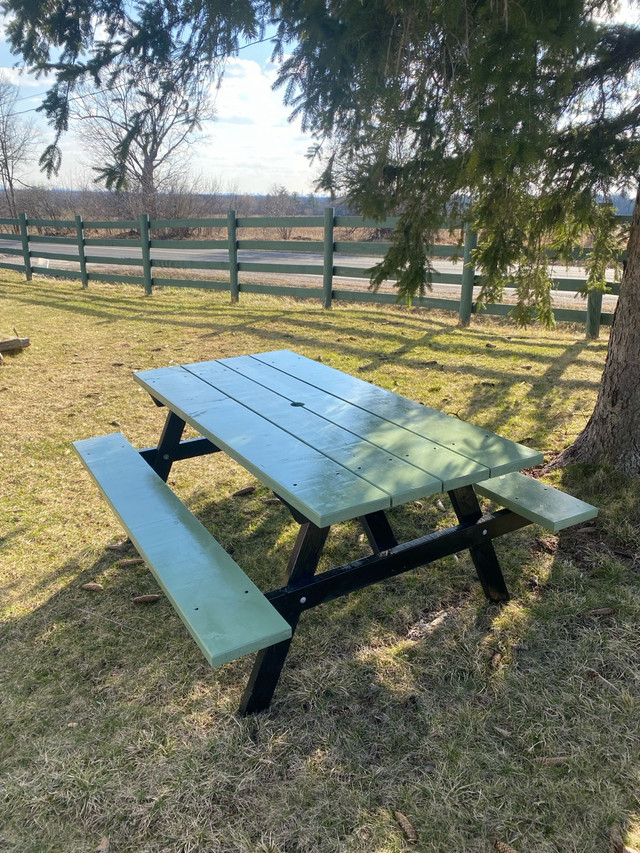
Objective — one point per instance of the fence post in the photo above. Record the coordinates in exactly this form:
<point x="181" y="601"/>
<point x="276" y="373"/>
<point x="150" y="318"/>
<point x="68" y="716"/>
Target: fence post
<point x="594" y="310"/>
<point x="81" y="255"/>
<point x="145" y="245"/>
<point x="327" y="275"/>
<point x="232" y="233"/>
<point x="468" y="275"/>
<point x="24" y="232"/>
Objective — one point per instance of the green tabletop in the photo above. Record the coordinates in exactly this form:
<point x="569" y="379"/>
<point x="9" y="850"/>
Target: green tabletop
<point x="333" y="446"/>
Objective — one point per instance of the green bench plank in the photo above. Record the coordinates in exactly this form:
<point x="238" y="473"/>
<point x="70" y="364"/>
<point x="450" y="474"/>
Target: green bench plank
<point x="323" y="490"/>
<point x="500" y="455"/>
<point x="224" y="611"/>
<point x="535" y="500"/>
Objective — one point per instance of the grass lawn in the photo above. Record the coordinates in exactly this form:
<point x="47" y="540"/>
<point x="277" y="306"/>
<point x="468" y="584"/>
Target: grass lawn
<point x="411" y="715"/>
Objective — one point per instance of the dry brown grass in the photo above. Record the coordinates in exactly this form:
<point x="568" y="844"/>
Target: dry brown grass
<point x="477" y="723"/>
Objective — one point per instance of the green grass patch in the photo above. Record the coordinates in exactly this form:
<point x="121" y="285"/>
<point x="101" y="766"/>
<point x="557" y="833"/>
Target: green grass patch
<point x="476" y="722"/>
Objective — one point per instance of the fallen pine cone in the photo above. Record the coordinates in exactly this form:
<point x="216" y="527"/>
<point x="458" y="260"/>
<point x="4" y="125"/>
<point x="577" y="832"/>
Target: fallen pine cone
<point x="602" y="611"/>
<point x="241" y="493"/>
<point x="503" y="847"/>
<point x="93" y="587"/>
<point x="134" y="561"/>
<point x="146" y="599"/>
<point x="406" y="827"/>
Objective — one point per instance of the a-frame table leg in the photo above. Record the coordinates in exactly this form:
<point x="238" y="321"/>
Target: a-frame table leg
<point x="169" y="441"/>
<point x="466" y="507"/>
<point x="269" y="662"/>
<point x="378" y="531"/>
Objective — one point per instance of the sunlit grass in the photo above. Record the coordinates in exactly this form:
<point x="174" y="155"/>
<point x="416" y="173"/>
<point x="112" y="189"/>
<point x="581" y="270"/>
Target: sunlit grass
<point x="476" y="722"/>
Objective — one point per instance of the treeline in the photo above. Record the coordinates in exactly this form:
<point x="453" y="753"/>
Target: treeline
<point x="97" y="205"/>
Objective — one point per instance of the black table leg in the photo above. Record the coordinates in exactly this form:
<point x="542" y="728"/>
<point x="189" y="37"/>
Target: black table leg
<point x="169" y="442"/>
<point x="466" y="507"/>
<point x="378" y="530"/>
<point x="269" y="662"/>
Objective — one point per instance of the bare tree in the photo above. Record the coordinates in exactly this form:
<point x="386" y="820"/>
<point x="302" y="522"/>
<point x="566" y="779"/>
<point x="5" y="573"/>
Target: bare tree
<point x="281" y="202"/>
<point x="18" y="143"/>
<point x="137" y="137"/>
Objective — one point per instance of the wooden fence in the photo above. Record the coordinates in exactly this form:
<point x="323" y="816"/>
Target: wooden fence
<point x="144" y="246"/>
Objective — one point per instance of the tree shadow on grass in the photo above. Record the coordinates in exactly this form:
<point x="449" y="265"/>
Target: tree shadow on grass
<point x="414" y="695"/>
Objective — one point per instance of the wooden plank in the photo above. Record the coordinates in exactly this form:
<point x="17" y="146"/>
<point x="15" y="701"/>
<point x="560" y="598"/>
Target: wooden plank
<point x="167" y="263"/>
<point x="365" y="296"/>
<point x="346" y="247"/>
<point x="374" y="461"/>
<point x="189" y="244"/>
<point x="540" y="503"/>
<point x="568" y="315"/>
<point x="51" y="272"/>
<point x="405" y="465"/>
<point x="361" y="272"/>
<point x="361" y="222"/>
<point x="224" y="611"/>
<point x="287" y="269"/>
<point x="296" y="292"/>
<point x="110" y="261"/>
<point x="53" y="256"/>
<point x="216" y="222"/>
<point x="436" y="302"/>
<point x="120" y="278"/>
<point x="186" y="282"/>
<point x="324" y="491"/>
<point x="113" y="224"/>
<point x="133" y="242"/>
<point x="351" y="272"/>
<point x="499" y="455"/>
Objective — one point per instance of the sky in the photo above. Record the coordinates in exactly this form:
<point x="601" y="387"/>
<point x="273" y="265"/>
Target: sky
<point x="249" y="147"/>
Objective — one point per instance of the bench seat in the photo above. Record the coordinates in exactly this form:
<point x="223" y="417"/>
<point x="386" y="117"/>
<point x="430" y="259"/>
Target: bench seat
<point x="225" y="613"/>
<point x="536" y="501"/>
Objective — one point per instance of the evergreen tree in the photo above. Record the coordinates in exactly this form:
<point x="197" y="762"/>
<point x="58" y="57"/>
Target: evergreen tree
<point x="518" y="117"/>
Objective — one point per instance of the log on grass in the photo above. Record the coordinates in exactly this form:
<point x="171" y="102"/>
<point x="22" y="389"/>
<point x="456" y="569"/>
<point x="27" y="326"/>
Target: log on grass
<point x="14" y="343"/>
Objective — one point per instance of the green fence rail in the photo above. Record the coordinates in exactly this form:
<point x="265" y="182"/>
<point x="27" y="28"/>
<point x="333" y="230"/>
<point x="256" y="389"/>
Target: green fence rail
<point x="146" y="244"/>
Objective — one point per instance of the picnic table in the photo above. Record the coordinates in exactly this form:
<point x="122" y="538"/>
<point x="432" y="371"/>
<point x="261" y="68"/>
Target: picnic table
<point x="333" y="448"/>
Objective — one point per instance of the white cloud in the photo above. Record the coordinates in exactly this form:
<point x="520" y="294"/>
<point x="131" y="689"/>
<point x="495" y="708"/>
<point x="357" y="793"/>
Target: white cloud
<point x="252" y="140"/>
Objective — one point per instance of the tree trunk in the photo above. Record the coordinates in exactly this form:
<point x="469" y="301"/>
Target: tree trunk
<point x="612" y="435"/>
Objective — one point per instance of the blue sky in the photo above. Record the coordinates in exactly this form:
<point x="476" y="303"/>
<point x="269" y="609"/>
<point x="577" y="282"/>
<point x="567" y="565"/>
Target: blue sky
<point x="248" y="148"/>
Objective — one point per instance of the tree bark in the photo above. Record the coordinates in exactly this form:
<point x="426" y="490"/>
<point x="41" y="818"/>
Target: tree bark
<point x="612" y="434"/>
